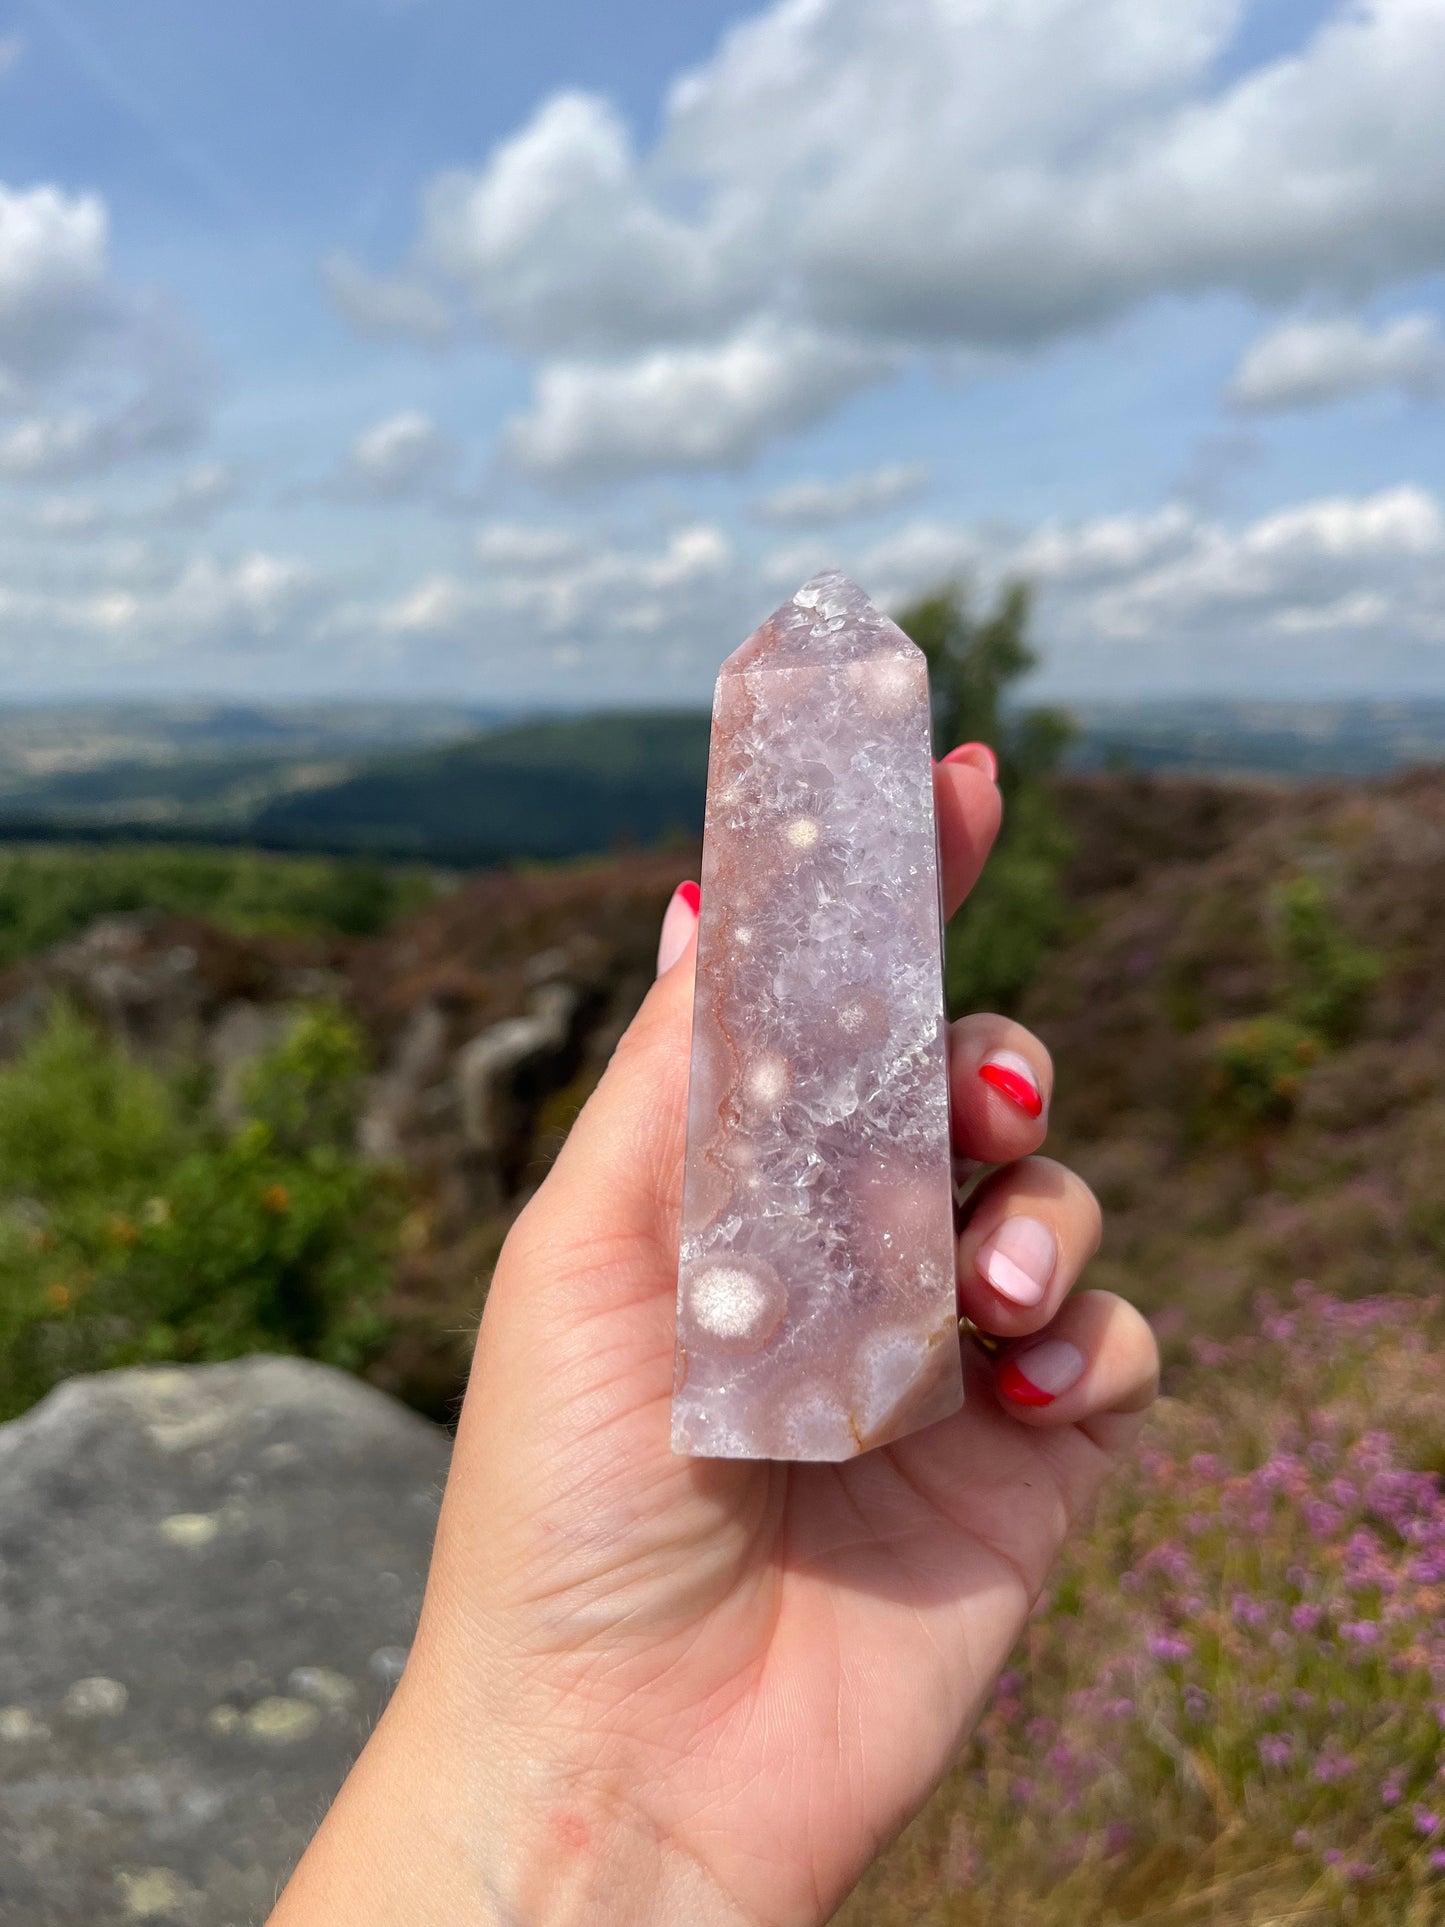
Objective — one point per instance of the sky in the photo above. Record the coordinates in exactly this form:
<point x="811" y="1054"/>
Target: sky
<point x="432" y="348"/>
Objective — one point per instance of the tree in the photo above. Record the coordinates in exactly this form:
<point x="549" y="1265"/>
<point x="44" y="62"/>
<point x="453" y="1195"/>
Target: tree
<point x="974" y="661"/>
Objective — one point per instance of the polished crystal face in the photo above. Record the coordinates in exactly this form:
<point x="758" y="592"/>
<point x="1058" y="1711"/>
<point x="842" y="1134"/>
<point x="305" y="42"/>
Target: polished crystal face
<point x="816" y="1313"/>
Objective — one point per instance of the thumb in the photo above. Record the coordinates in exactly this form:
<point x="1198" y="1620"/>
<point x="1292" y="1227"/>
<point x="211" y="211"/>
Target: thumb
<point x="619" y="1174"/>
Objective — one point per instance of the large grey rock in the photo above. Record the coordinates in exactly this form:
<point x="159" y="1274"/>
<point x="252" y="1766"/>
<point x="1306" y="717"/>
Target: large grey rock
<point x="208" y="1581"/>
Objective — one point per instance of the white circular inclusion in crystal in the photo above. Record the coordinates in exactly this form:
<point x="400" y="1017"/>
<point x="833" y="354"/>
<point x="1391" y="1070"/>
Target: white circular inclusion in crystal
<point x="803" y="832"/>
<point x="816" y="1427"/>
<point x="769" y="1081"/>
<point x="892" y="684"/>
<point x="890" y="1364"/>
<point x="730" y="1302"/>
<point x="742" y="935"/>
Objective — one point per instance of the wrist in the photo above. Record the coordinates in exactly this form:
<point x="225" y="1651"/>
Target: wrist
<point x="439" y="1829"/>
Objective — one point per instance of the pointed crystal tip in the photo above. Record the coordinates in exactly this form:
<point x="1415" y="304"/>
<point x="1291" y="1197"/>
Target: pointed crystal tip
<point x="828" y="620"/>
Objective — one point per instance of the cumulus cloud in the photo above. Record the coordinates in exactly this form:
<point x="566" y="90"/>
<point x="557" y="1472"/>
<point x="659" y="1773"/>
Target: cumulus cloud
<point x="90" y="374"/>
<point x="936" y="176"/>
<point x="54" y="289"/>
<point x="1306" y="363"/>
<point x="516" y="548"/>
<point x="387" y="307"/>
<point x="1349" y="585"/>
<point x="596" y="592"/>
<point x="193" y="499"/>
<point x="207" y="603"/>
<point x="701" y="406"/>
<point x="870" y="491"/>
<point x="404" y="455"/>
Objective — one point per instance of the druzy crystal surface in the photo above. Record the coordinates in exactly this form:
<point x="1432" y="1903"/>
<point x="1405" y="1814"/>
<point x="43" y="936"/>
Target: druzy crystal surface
<point x="816" y="1313"/>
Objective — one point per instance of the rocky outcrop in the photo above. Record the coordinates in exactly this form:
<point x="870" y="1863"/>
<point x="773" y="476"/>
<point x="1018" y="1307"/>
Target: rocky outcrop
<point x="208" y="1581"/>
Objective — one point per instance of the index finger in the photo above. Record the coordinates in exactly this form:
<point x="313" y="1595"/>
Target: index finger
<point x="969" y="812"/>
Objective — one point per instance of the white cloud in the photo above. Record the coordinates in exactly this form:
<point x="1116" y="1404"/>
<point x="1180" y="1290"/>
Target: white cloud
<point x="406" y="454"/>
<point x="53" y="275"/>
<point x="600" y="591"/>
<point x="147" y="611"/>
<point x="195" y="497"/>
<point x="91" y="375"/>
<point x="68" y="515"/>
<point x="1291" y="571"/>
<point x="933" y="176"/>
<point x="518" y="547"/>
<point x="1305" y="363"/>
<point x="698" y="407"/>
<point x="560" y="247"/>
<point x="1366" y="609"/>
<point x="387" y="306"/>
<point x="870" y="491"/>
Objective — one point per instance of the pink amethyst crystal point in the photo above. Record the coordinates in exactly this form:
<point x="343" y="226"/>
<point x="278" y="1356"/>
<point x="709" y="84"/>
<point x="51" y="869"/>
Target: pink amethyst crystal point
<point x="815" y="1309"/>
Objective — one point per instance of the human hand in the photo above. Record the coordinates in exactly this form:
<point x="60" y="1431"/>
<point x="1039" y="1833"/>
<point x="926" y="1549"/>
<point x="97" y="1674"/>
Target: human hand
<point x="653" y="1689"/>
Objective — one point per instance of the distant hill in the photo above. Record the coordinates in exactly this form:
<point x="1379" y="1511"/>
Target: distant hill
<point x="1216" y="736"/>
<point x="471" y="786"/>
<point x="547" y="789"/>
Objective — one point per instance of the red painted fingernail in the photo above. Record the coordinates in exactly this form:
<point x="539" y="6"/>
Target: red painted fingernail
<point x="977" y="756"/>
<point x="1006" y="1071"/>
<point x="1053" y="1367"/>
<point x="678" y="925"/>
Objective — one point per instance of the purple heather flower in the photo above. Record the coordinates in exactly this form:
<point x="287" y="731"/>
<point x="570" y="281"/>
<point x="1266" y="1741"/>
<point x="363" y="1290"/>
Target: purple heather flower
<point x="1168" y="1646"/>
<point x="1361" y="1632"/>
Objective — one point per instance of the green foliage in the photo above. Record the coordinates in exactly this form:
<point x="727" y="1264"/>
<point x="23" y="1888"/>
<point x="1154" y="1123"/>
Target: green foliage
<point x="50" y="892"/>
<point x="305" y="1090"/>
<point x="1256" y="1067"/>
<point x="132" y="1229"/>
<point x="1323" y="980"/>
<point x="78" y="1121"/>
<point x="1017" y="910"/>
<point x="1327" y="977"/>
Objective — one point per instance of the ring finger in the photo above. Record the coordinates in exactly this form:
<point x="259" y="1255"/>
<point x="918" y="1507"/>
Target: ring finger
<point x="1031" y="1230"/>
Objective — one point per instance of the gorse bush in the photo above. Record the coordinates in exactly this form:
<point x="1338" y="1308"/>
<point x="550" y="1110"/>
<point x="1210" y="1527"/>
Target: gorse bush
<point x="1234" y="1697"/>
<point x="133" y="1229"/>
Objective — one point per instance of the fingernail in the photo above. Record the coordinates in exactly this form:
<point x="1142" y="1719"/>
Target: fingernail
<point x="1019" y="1259"/>
<point x="1006" y="1071"/>
<point x="1037" y="1376"/>
<point x="678" y="925"/>
<point x="977" y="756"/>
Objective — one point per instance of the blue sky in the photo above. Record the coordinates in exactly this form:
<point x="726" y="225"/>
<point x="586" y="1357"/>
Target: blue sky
<point x="409" y="347"/>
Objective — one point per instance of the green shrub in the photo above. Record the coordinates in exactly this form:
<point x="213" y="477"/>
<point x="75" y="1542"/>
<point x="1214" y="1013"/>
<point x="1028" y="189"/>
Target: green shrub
<point x="1256" y="1067"/>
<point x="132" y="1229"/>
<point x="1326" y="976"/>
<point x="49" y="893"/>
<point x="1323" y="982"/>
<point x="80" y="1121"/>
